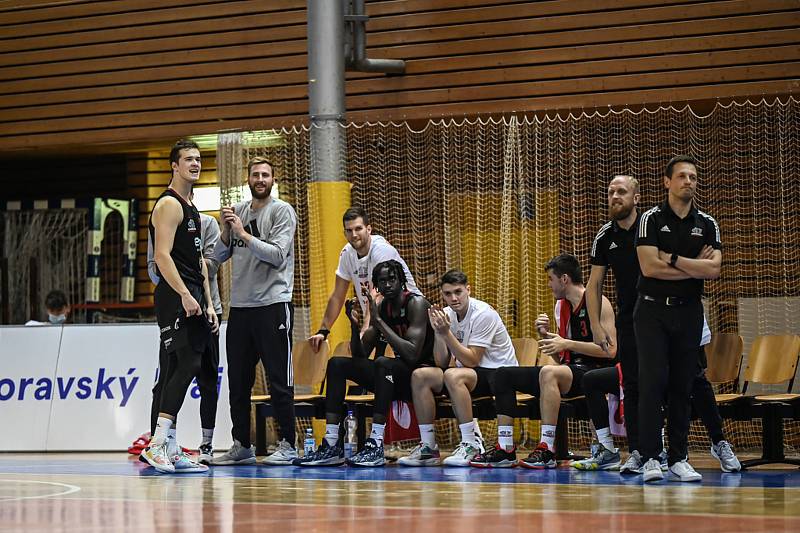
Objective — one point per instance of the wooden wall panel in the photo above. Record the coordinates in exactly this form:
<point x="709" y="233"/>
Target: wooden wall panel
<point x="88" y="73"/>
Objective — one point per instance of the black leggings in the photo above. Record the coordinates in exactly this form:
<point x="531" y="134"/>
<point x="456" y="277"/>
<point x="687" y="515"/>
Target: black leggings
<point x="508" y="381"/>
<point x="389" y="378"/>
<point x="596" y="384"/>
<point x="184" y="365"/>
<point x="207" y="383"/>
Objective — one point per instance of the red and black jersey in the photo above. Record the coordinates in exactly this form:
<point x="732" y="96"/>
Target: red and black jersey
<point x="574" y="324"/>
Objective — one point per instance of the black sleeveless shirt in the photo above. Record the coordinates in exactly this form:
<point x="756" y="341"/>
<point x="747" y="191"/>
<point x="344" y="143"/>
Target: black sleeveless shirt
<point x="400" y="323"/>
<point x="187" y="246"/>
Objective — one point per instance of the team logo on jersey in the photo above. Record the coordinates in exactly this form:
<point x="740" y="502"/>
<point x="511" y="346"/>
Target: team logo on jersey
<point x="582" y="313"/>
<point x="198" y="244"/>
<point x="190" y="226"/>
<point x="362" y="272"/>
<point x="613" y="245"/>
<point x="460" y="336"/>
<point x="697" y="232"/>
<point x="665" y="229"/>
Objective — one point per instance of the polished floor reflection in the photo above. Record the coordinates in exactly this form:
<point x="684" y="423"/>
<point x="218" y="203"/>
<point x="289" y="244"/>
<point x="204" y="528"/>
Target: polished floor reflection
<point x="109" y="492"/>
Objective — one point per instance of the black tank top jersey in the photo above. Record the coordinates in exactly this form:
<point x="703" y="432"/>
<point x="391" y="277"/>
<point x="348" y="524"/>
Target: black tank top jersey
<point x="187" y="246"/>
<point x="400" y="323"/>
<point x="581" y="330"/>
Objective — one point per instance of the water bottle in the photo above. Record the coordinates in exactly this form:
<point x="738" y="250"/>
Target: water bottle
<point x="350" y="435"/>
<point x="308" y="442"/>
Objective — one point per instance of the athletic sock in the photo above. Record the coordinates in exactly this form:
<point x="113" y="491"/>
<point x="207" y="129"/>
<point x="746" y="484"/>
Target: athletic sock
<point x="208" y="436"/>
<point x="332" y="434"/>
<point x="505" y="437"/>
<point x="377" y="433"/>
<point x="172" y="441"/>
<point x="427" y="435"/>
<point x="478" y="433"/>
<point x="605" y="438"/>
<point x="549" y="436"/>
<point x="468" y="433"/>
<point x="163" y="425"/>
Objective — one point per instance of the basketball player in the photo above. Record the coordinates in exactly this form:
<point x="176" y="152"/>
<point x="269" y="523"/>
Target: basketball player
<point x="356" y="262"/>
<point x="259" y="235"/>
<point x="471" y="333"/>
<point x="576" y="353"/>
<point x="398" y="318"/>
<point x="186" y="325"/>
<point x="207" y="379"/>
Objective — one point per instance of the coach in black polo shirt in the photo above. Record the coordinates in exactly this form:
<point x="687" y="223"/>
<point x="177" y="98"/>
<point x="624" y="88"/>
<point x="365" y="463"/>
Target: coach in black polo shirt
<point x="678" y="247"/>
<point x="614" y="246"/>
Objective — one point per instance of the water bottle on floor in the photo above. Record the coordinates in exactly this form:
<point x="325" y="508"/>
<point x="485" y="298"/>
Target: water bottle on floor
<point x="308" y="442"/>
<point x="350" y="446"/>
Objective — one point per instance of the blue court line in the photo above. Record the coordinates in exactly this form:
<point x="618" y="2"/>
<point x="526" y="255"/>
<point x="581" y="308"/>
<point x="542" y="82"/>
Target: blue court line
<point x="789" y="478"/>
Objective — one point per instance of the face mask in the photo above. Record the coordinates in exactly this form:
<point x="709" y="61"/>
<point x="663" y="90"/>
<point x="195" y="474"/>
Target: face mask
<point x="56" y="319"/>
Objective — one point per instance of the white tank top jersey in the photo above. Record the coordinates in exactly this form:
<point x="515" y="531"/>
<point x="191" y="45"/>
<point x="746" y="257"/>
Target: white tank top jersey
<point x="482" y="326"/>
<point x="358" y="270"/>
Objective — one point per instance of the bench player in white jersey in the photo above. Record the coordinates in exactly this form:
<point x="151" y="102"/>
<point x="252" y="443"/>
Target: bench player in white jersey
<point x="357" y="260"/>
<point x="471" y="333"/>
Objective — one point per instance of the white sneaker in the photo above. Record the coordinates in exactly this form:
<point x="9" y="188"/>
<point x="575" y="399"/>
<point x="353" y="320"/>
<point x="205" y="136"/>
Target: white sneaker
<point x="237" y="455"/>
<point x="422" y="455"/>
<point x="651" y="471"/>
<point x="156" y="455"/>
<point x="723" y="452"/>
<point x="683" y="471"/>
<point x="283" y="456"/>
<point x="184" y="464"/>
<point x="462" y="455"/>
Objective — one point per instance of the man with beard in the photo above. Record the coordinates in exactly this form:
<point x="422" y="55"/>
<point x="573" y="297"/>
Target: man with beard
<point x="259" y="235"/>
<point x="357" y="260"/>
<point x="398" y="318"/>
<point x="614" y="246"/>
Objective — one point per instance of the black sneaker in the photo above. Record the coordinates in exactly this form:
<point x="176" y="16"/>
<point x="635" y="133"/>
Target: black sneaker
<point x="496" y="457"/>
<point x="205" y="454"/>
<point x="540" y="458"/>
<point x="370" y="455"/>
<point x="324" y="455"/>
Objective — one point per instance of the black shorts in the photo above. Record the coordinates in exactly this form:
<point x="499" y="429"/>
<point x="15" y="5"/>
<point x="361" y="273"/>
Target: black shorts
<point x="576" y="389"/>
<point x="483" y="387"/>
<point x="178" y="330"/>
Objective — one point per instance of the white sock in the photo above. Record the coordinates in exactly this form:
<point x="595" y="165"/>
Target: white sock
<point x="172" y="441"/>
<point x="427" y="435"/>
<point x="477" y="429"/>
<point x="468" y="432"/>
<point x="208" y="436"/>
<point x="605" y="438"/>
<point x="163" y="425"/>
<point x="505" y="437"/>
<point x="549" y="436"/>
<point x="377" y="433"/>
<point x="332" y="434"/>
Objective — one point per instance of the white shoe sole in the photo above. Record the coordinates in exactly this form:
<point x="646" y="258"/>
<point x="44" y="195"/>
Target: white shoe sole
<point x="656" y="475"/>
<point x="192" y="470"/>
<point x="248" y="461"/>
<point x="380" y="462"/>
<point x="161" y="468"/>
<point x="277" y="462"/>
<point x="405" y="461"/>
<point x="685" y="479"/>
<point x="722" y="466"/>
<point x="456" y="462"/>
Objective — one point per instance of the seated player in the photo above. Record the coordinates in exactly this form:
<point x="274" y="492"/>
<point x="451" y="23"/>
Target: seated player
<point x="397" y="318"/>
<point x="577" y="354"/>
<point x="470" y="332"/>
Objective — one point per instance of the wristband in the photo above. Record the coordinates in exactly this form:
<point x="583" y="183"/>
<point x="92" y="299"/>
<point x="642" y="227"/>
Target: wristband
<point x="324" y="332"/>
<point x="673" y="259"/>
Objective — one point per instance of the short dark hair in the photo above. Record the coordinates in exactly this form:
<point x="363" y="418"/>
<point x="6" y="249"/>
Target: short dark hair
<point x="679" y="159"/>
<point x="258" y="160"/>
<point x="55" y="300"/>
<point x="393" y="266"/>
<point x="355" y="212"/>
<point x="183" y="144"/>
<point x="565" y="264"/>
<point x="453" y="277"/>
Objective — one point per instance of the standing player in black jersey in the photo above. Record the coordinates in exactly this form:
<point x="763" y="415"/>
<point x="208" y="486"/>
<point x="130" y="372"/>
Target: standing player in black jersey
<point x="186" y="325"/>
<point x="678" y="247"/>
<point x="572" y="346"/>
<point x="614" y="247"/>
<point x="398" y="318"/>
